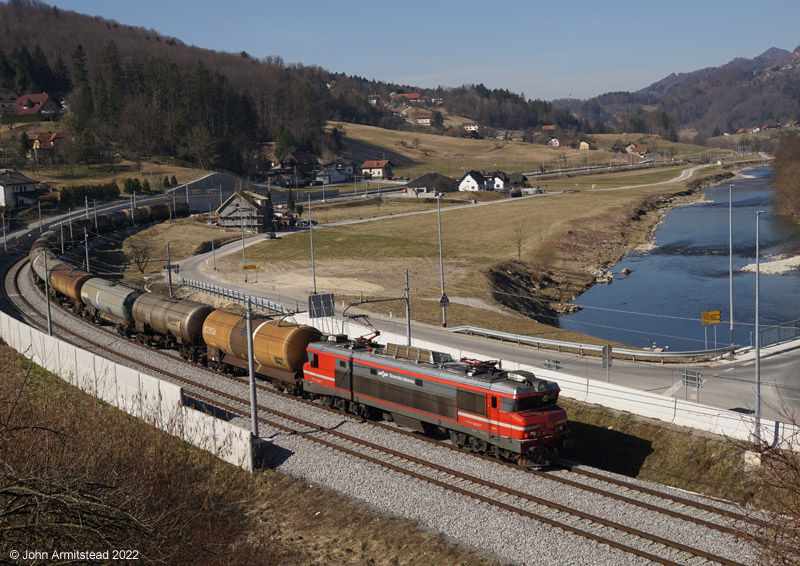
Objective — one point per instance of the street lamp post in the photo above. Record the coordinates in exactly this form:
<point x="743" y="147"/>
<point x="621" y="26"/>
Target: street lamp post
<point x="758" y="335"/>
<point x="730" y="258"/>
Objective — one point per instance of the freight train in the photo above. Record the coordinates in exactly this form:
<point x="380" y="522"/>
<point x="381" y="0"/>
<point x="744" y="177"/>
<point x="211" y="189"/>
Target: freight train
<point x="512" y="415"/>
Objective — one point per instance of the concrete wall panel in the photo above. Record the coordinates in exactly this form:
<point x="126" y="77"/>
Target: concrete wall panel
<point x="85" y="376"/>
<point x="68" y="370"/>
<point x="105" y="379"/>
<point x="128" y="390"/>
<point x="52" y="361"/>
<point x="221" y="438"/>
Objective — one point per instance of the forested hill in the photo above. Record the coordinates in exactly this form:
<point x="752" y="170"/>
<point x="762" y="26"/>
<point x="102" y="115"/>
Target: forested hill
<point x="143" y="93"/>
<point x="743" y="93"/>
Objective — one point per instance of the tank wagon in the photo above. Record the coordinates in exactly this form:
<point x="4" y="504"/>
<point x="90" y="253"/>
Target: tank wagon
<point x="109" y="301"/>
<point x="168" y="322"/>
<point x="279" y="347"/>
<point x="72" y="232"/>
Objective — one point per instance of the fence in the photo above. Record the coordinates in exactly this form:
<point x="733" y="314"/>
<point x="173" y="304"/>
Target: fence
<point x="234" y="295"/>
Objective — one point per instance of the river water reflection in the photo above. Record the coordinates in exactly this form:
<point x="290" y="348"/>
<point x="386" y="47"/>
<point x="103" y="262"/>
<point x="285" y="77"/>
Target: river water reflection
<point x="660" y="302"/>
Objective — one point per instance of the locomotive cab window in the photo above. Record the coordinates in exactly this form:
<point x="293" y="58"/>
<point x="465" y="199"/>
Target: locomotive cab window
<point x="342" y="364"/>
<point x="314" y="360"/>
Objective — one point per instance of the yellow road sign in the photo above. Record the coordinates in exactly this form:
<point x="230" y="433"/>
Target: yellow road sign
<point x="250" y="267"/>
<point x="712" y="317"/>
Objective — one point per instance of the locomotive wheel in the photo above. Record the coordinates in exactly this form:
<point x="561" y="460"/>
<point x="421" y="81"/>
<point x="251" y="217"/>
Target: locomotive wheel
<point x="477" y="445"/>
<point x="458" y="438"/>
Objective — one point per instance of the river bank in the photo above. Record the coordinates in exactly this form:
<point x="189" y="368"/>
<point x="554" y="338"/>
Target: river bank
<point x="591" y="251"/>
<point x="658" y="296"/>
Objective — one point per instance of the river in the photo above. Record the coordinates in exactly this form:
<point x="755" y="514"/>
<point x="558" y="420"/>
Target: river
<point x="660" y="302"/>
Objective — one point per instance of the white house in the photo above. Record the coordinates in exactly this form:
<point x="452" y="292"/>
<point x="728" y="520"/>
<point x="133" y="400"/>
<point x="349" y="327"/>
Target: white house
<point x="380" y="169"/>
<point x="424" y="119"/>
<point x="471" y="126"/>
<point x="498" y="181"/>
<point x="473" y="181"/>
<point x="17" y="189"/>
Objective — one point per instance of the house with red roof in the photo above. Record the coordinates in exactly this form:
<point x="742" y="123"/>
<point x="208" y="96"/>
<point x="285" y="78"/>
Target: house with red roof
<point x="37" y="104"/>
<point x="49" y="141"/>
<point x="380" y="169"/>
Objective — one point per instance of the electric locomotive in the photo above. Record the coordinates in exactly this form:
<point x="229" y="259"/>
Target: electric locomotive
<point x="507" y="414"/>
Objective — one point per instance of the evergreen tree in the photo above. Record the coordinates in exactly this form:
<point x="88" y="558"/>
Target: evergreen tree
<point x="6" y="72"/>
<point x="113" y="82"/>
<point x="61" y="80"/>
<point x="290" y="201"/>
<point x="79" y="74"/>
<point x="40" y="71"/>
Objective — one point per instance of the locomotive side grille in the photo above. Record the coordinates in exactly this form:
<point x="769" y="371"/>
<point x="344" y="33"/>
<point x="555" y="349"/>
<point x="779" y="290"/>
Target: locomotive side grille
<point x="414" y="398"/>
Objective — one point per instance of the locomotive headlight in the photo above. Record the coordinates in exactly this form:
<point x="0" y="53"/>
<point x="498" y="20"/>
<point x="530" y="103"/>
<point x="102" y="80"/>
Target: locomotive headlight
<point x="532" y="434"/>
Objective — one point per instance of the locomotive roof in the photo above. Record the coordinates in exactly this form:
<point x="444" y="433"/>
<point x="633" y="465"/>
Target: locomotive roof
<point x="441" y="365"/>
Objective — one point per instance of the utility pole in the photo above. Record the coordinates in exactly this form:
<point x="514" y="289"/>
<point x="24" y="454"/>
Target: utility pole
<point x="311" y="238"/>
<point x="211" y="223"/>
<point x="408" y="314"/>
<point x="169" y="271"/>
<point x="251" y="370"/>
<point x="86" y="246"/>
<point x="244" y="259"/>
<point x="441" y="259"/>
<point x="47" y="294"/>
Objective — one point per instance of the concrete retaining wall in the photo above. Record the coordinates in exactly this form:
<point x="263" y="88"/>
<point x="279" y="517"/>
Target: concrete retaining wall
<point x="153" y="400"/>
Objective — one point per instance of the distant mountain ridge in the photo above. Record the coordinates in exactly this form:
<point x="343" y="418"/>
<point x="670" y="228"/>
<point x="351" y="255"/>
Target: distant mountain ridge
<point x="741" y="93"/>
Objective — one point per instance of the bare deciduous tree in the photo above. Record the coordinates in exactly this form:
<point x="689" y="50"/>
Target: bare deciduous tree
<point x="140" y="257"/>
<point x="777" y="539"/>
<point x="519" y="234"/>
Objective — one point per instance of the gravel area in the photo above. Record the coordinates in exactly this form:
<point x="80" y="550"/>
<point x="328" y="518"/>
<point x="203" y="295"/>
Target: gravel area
<point x="507" y="536"/>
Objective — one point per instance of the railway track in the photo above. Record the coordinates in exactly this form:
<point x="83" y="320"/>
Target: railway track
<point x="628" y="539"/>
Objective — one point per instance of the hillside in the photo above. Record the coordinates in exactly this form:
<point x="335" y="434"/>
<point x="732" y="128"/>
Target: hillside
<point x="740" y="94"/>
<point x="415" y="153"/>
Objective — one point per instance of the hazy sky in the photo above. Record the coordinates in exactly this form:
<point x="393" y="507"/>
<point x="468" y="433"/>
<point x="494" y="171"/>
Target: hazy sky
<point x="547" y="50"/>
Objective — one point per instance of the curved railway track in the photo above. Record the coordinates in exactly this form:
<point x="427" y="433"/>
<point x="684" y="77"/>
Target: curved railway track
<point x="626" y="538"/>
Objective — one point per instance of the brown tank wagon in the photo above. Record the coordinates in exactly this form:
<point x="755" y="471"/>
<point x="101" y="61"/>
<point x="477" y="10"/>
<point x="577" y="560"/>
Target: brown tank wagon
<point x="277" y="345"/>
<point x="68" y="281"/>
